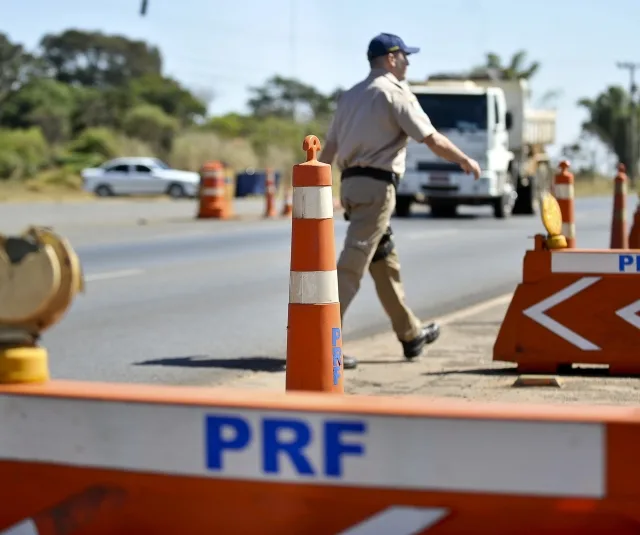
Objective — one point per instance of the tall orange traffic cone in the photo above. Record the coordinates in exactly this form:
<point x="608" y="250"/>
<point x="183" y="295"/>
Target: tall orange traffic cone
<point x="634" y="235"/>
<point x="314" y="331"/>
<point x="619" y="237"/>
<point x="563" y="191"/>
<point x="287" y="205"/>
<point x="270" y="194"/>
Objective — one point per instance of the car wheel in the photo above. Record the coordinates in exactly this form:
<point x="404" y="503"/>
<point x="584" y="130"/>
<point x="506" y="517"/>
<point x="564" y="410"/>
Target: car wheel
<point x="104" y="191"/>
<point x="176" y="191"/>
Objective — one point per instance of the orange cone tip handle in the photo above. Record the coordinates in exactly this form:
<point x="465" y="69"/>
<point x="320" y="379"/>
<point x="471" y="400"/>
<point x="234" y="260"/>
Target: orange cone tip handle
<point x="311" y="144"/>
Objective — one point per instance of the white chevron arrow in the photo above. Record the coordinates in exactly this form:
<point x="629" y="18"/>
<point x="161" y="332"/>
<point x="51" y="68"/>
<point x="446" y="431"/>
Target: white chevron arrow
<point x="630" y="313"/>
<point x="399" y="521"/>
<point x="538" y="314"/>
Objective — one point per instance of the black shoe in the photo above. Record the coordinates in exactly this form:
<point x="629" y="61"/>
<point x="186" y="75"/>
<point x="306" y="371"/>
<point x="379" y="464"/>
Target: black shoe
<point x="349" y="363"/>
<point x="429" y="334"/>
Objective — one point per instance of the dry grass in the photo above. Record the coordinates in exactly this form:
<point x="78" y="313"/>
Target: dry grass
<point x="192" y="150"/>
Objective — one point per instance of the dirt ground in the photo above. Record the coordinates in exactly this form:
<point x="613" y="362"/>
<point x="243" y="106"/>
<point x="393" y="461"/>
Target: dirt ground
<point x="459" y="365"/>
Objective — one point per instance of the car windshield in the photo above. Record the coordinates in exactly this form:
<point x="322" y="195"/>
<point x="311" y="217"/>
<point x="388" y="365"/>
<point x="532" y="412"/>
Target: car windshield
<point x="463" y="112"/>
<point x="161" y="164"/>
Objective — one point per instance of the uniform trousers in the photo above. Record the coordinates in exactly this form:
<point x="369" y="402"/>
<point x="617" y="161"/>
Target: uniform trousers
<point x="369" y="204"/>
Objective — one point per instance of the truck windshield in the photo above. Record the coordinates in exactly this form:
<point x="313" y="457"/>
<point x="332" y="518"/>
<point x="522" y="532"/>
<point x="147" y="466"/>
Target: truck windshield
<point x="464" y="112"/>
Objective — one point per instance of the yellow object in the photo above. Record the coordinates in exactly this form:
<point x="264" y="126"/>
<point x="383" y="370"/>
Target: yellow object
<point x="552" y="221"/>
<point x="40" y="274"/>
<point x="23" y="365"/>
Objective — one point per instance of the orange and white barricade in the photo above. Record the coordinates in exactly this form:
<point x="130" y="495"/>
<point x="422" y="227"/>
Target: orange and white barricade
<point x="199" y="461"/>
<point x="213" y="202"/>
<point x="575" y="306"/>
<point x="314" y="331"/>
<point x="564" y="192"/>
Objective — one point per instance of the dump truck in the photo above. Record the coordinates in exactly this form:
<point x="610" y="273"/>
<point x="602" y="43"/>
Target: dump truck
<point x="490" y="120"/>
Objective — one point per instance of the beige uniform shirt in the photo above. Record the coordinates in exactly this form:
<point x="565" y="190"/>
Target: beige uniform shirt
<point x="373" y="122"/>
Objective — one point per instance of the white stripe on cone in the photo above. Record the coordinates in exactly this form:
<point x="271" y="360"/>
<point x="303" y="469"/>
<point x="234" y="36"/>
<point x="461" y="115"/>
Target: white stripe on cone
<point x="313" y="202"/>
<point x="313" y="287"/>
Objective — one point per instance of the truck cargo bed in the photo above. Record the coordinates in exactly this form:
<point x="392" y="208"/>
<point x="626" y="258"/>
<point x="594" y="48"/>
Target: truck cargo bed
<point x="539" y="127"/>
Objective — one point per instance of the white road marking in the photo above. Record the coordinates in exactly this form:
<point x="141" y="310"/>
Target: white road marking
<point x="538" y="314"/>
<point x="475" y="309"/>
<point x="113" y="275"/>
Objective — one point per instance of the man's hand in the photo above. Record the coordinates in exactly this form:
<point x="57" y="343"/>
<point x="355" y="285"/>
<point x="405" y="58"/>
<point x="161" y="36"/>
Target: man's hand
<point x="469" y="165"/>
<point x="442" y="146"/>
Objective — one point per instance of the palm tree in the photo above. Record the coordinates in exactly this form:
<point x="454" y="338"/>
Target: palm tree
<point x="515" y="69"/>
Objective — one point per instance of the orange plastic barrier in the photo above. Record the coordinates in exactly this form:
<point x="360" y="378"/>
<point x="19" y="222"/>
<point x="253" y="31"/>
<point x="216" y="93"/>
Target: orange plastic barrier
<point x="314" y="331"/>
<point x="574" y="307"/>
<point x="270" y="194"/>
<point x="213" y="192"/>
<point x="93" y="459"/>
<point x="619" y="237"/>
<point x="563" y="191"/>
<point x="287" y="205"/>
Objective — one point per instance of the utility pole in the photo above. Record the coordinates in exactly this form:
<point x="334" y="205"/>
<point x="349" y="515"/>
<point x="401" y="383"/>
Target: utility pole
<point x="633" y="113"/>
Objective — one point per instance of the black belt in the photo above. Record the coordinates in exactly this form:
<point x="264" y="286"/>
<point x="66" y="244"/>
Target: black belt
<point x="372" y="172"/>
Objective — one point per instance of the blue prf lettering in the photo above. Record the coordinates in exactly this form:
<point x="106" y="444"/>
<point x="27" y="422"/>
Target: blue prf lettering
<point x="336" y="355"/>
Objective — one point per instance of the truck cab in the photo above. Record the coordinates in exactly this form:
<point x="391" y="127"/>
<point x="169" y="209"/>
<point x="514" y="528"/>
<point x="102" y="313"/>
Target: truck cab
<point x="490" y="120"/>
<point x="476" y="120"/>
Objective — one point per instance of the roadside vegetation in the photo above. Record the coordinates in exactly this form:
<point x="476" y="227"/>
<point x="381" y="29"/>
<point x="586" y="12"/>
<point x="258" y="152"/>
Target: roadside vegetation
<point x="84" y="97"/>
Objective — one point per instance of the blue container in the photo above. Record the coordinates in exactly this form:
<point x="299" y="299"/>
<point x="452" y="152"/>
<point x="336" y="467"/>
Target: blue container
<point x="253" y="182"/>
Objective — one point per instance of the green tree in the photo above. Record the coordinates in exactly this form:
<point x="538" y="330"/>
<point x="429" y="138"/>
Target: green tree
<point x="17" y="66"/>
<point x="287" y="97"/>
<point x="170" y="96"/>
<point x="515" y="69"/>
<point x="44" y="103"/>
<point x="98" y="60"/>
<point x="151" y="125"/>
<point x="608" y="119"/>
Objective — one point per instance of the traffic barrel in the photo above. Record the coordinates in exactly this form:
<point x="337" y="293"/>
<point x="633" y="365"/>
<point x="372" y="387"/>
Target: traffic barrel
<point x="270" y="193"/>
<point x="213" y="192"/>
<point x="314" y="330"/>
<point x="563" y="191"/>
<point x="619" y="236"/>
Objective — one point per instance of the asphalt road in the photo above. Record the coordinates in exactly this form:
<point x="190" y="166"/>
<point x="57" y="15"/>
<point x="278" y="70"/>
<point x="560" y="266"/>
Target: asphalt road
<point x="179" y="301"/>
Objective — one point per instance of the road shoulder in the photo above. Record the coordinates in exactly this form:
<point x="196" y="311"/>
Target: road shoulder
<point x="459" y="365"/>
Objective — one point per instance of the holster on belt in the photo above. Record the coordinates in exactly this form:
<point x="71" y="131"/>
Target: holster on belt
<point x="385" y="246"/>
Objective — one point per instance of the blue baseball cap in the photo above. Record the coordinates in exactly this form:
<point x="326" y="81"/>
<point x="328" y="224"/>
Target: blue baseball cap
<point x="384" y="43"/>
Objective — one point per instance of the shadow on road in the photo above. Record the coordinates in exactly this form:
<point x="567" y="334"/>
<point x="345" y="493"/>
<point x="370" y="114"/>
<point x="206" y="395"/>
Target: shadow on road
<point x="254" y="364"/>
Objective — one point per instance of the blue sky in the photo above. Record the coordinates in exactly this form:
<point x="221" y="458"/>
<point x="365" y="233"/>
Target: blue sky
<point x="222" y="47"/>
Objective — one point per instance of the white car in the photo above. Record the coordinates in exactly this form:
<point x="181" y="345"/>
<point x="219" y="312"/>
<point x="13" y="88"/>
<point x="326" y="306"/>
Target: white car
<point x="139" y="176"/>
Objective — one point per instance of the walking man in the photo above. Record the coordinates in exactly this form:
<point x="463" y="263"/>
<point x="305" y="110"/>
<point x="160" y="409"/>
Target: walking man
<point x="368" y="134"/>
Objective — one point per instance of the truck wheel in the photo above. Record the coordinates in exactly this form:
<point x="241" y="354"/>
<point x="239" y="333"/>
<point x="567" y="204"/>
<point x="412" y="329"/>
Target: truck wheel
<point x="403" y="205"/>
<point x="528" y="202"/>
<point x="443" y="209"/>
<point x="503" y="207"/>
